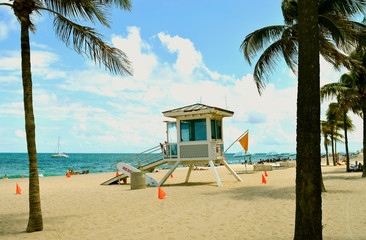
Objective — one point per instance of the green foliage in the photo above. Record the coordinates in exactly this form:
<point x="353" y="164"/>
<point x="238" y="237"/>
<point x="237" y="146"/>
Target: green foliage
<point x="338" y="34"/>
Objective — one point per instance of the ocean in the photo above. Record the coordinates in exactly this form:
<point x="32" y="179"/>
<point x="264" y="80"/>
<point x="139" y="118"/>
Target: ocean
<point x="16" y="164"/>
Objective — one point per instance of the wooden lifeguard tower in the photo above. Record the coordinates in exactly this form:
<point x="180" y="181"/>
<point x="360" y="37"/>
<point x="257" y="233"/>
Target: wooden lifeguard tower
<point x="196" y="137"/>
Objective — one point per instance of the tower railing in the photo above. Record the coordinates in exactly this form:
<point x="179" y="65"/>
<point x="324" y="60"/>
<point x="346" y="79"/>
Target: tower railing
<point x="144" y="158"/>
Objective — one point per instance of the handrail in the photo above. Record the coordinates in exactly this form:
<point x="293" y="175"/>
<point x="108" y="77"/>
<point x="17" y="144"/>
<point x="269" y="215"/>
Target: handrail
<point x="144" y="158"/>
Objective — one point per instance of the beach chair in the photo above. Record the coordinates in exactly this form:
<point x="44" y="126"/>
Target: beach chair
<point x="355" y="166"/>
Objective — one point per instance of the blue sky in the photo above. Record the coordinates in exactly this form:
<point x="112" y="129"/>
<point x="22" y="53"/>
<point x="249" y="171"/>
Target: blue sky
<point x="182" y="52"/>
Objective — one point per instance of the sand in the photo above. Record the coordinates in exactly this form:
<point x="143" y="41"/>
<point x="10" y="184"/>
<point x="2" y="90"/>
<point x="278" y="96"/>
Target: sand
<point x="80" y="208"/>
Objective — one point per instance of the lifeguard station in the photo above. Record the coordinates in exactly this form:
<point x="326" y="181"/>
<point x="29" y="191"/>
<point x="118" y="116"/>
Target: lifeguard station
<point x="194" y="137"/>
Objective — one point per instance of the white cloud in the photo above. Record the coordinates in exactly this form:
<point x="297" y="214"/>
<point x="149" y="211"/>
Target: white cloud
<point x="20" y="133"/>
<point x="40" y="45"/>
<point x="42" y="63"/>
<point x="328" y="73"/>
<point x="15" y="108"/>
<point x="188" y="58"/>
<point x="8" y="25"/>
<point x="138" y="52"/>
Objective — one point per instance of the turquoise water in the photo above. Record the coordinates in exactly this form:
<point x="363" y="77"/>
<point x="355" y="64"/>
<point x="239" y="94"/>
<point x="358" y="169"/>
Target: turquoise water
<point x="16" y="164"/>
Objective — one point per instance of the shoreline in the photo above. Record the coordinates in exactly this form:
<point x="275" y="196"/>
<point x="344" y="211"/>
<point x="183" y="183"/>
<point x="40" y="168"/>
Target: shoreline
<point x="359" y="158"/>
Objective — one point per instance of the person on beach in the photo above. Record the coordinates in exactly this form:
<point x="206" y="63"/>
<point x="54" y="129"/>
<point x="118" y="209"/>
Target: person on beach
<point x="5" y="177"/>
<point x="359" y="167"/>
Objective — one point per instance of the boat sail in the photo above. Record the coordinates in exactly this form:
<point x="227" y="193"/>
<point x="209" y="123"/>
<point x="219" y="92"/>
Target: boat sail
<point x="62" y="155"/>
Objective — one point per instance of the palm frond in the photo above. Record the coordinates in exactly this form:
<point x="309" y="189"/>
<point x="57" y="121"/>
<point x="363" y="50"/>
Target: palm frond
<point x="342" y="7"/>
<point x="259" y="39"/>
<point x="354" y="34"/>
<point x="331" y="54"/>
<point x="7" y="4"/>
<point x="286" y="47"/>
<point x="123" y="4"/>
<point x="89" y="10"/>
<point x="329" y="22"/>
<point x="86" y="41"/>
<point x="332" y="90"/>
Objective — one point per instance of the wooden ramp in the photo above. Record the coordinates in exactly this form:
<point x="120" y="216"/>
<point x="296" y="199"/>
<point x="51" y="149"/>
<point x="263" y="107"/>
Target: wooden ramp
<point x="115" y="180"/>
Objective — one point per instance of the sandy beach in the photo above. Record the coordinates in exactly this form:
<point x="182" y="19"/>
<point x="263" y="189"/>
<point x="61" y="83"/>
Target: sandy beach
<point x="80" y="208"/>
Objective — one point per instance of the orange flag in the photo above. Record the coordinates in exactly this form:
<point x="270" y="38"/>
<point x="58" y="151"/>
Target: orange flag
<point x="68" y="175"/>
<point x="161" y="193"/>
<point x="22" y="176"/>
<point x="264" y="180"/>
<point x="171" y="175"/>
<point x="244" y="142"/>
<point x="18" y="190"/>
<point x="265" y="173"/>
<point x="116" y="174"/>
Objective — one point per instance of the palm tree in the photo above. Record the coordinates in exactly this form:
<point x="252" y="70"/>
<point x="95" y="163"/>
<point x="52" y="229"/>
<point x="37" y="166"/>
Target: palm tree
<point x="358" y="79"/>
<point x="336" y="31"/>
<point x="85" y="40"/>
<point x="325" y="130"/>
<point x="311" y="27"/>
<point x="347" y="127"/>
<point x="352" y="89"/>
<point x="308" y="219"/>
<point x="334" y="127"/>
<point x="345" y="103"/>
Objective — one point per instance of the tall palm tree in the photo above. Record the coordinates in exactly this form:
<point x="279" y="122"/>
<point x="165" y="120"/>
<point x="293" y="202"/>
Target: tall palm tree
<point x="358" y="78"/>
<point x="85" y="41"/>
<point x="347" y="127"/>
<point x="308" y="219"/>
<point x="334" y="126"/>
<point x="336" y="32"/>
<point x="325" y="130"/>
<point x="311" y="27"/>
<point x="345" y="103"/>
<point x="352" y="88"/>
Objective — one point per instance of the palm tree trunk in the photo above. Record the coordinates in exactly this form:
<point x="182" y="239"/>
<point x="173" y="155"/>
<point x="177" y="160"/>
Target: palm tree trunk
<point x="346" y="141"/>
<point x="35" y="222"/>
<point x="326" y="152"/>
<point x="308" y="219"/>
<point x="364" y="139"/>
<point x="333" y="155"/>
<point x="336" y="153"/>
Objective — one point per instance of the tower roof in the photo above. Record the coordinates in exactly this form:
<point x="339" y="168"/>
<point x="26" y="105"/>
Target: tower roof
<point x="197" y="108"/>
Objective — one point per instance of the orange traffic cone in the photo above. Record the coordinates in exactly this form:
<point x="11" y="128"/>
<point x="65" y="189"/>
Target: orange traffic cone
<point x="264" y="180"/>
<point x="117" y="174"/>
<point x="18" y="190"/>
<point x="161" y="193"/>
<point x="265" y="173"/>
<point x="67" y="174"/>
<point x="22" y="176"/>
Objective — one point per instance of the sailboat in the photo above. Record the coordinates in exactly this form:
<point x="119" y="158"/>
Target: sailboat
<point x="62" y="155"/>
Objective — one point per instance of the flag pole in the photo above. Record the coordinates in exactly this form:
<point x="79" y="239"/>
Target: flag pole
<point x="247" y="131"/>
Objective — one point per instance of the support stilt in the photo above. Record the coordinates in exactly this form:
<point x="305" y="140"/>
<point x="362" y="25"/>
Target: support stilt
<point x="215" y="173"/>
<point x="189" y="172"/>
<point x="232" y="171"/>
<point x="169" y="173"/>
